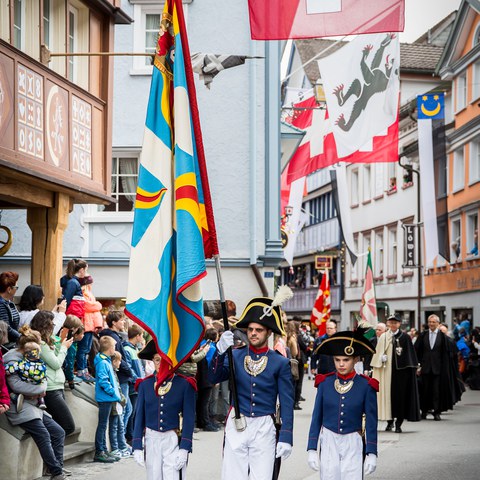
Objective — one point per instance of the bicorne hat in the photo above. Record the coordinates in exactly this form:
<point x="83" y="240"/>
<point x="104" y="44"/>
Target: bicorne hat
<point x="395" y="318"/>
<point x="347" y="343"/>
<point x="148" y="352"/>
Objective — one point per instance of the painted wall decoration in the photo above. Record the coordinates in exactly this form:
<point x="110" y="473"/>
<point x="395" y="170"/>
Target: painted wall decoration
<point x="57" y="125"/>
<point x="81" y="136"/>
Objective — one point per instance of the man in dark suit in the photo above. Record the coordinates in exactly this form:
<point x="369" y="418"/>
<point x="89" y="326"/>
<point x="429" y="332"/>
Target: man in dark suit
<point x="436" y="382"/>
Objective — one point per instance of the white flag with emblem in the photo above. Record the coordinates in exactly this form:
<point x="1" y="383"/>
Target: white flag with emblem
<point x="362" y="86"/>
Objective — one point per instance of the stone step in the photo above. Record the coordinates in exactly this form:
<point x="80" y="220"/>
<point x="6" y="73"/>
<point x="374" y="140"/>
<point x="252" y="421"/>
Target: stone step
<point x="78" y="452"/>
<point x="73" y="437"/>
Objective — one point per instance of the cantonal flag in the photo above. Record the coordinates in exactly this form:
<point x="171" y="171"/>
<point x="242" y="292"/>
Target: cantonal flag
<point x="173" y="228"/>
<point x="368" y="309"/>
<point x="318" y="148"/>
<point x="322" y="308"/>
<point x="284" y="19"/>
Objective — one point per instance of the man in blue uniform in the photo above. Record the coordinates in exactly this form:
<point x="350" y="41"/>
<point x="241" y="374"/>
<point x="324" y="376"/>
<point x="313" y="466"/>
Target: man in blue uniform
<point x="343" y="400"/>
<point x="161" y="440"/>
<point x="262" y="376"/>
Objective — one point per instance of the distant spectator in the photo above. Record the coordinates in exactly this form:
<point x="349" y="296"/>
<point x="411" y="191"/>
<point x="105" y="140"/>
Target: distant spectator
<point x="474" y="251"/>
<point x="116" y="324"/>
<point x="53" y="353"/>
<point x="71" y="288"/>
<point x="30" y="369"/>
<point x="4" y="396"/>
<point x="46" y="433"/>
<point x="73" y="328"/>
<point x="134" y="344"/>
<point x="32" y="300"/>
<point x="8" y="310"/>
<point x="116" y="429"/>
<point x="92" y="322"/>
<point x="106" y="393"/>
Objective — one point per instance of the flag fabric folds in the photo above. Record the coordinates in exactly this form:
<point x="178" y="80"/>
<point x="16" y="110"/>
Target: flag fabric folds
<point x="173" y="228"/>
<point x="368" y="309"/>
<point x="209" y="65"/>
<point x="284" y="19"/>
<point x="322" y="308"/>
<point x="433" y="165"/>
<point x="362" y="87"/>
<point x="318" y="148"/>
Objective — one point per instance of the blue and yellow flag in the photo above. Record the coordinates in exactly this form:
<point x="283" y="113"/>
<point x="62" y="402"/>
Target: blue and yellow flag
<point x="173" y="228"/>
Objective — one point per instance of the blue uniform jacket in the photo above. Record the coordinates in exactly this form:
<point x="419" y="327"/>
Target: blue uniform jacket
<point x="342" y="414"/>
<point x="161" y="413"/>
<point x="257" y="396"/>
<point x="106" y="389"/>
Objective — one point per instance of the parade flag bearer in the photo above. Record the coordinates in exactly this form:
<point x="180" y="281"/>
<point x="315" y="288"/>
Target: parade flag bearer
<point x="262" y="376"/>
<point x="346" y="402"/>
<point x="164" y="421"/>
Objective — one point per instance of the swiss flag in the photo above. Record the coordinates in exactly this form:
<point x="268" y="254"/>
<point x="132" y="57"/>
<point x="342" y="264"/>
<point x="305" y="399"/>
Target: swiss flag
<point x="283" y="19"/>
<point x="322" y="307"/>
<point x="318" y="149"/>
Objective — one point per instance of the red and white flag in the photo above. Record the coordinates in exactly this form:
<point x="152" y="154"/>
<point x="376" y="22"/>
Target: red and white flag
<point x="368" y="309"/>
<point x="283" y="19"/>
<point x="362" y="88"/>
<point x="318" y="149"/>
<point x="322" y="307"/>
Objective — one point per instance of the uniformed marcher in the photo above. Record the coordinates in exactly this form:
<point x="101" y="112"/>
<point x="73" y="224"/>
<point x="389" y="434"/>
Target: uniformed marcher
<point x="262" y="376"/>
<point x="395" y="367"/>
<point x="345" y="408"/>
<point x="164" y="422"/>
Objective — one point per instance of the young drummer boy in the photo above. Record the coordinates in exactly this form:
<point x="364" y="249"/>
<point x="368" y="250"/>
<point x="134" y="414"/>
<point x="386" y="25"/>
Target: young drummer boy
<point x="343" y="400"/>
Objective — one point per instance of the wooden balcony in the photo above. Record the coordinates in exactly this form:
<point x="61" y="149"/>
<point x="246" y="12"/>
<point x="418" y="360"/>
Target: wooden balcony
<point x="317" y="238"/>
<point x="303" y="300"/>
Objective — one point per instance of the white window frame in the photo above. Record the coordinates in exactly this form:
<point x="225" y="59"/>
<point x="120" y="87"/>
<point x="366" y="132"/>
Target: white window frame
<point x="459" y="169"/>
<point x="392" y="251"/>
<point x="354" y="187"/>
<point x="379" y="251"/>
<point x="47" y="23"/>
<point x="72" y="61"/>
<point x="471" y="226"/>
<point x="367" y="183"/>
<point x="141" y="8"/>
<point x="476" y="81"/>
<point x="461" y="91"/>
<point x="474" y="160"/>
<point x="21" y="28"/>
<point x="456" y="233"/>
<point x="476" y="36"/>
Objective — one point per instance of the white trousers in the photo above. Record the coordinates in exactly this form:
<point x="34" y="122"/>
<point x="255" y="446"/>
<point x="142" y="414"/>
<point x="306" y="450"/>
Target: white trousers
<point x="161" y="450"/>
<point x="340" y="456"/>
<point x="249" y="454"/>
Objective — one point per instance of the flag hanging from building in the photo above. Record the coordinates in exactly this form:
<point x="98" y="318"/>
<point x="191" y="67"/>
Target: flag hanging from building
<point x="173" y="228"/>
<point x="318" y="149"/>
<point x="209" y="65"/>
<point x="362" y="86"/>
<point x="368" y="308"/>
<point x="284" y="19"/>
<point x="433" y="166"/>
<point x="322" y="308"/>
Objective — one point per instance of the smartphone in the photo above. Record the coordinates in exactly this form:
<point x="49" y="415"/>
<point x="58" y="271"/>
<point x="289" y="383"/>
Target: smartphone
<point x="70" y="334"/>
<point x="60" y="300"/>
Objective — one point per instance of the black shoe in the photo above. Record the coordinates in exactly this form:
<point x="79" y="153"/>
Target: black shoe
<point x="297" y="406"/>
<point x="389" y="427"/>
<point x="301" y="399"/>
<point x="424" y="416"/>
<point x="398" y="429"/>
<point x="210" y="428"/>
<point x="436" y="417"/>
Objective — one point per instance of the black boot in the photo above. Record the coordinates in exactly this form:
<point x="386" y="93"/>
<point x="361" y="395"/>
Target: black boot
<point x="398" y="426"/>
<point x="297" y="406"/>
<point x="389" y="427"/>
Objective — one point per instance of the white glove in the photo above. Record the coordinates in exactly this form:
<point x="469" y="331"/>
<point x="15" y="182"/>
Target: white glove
<point x="138" y="457"/>
<point x="181" y="460"/>
<point x="370" y="464"/>
<point x="313" y="460"/>
<point x="283" y="450"/>
<point x="384" y="358"/>
<point x="226" y="341"/>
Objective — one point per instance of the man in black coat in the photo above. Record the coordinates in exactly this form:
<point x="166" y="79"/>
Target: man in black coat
<point x="323" y="363"/>
<point x="437" y="389"/>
